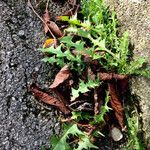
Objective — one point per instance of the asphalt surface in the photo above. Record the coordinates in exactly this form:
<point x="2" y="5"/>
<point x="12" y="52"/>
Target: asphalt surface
<point x="24" y="125"/>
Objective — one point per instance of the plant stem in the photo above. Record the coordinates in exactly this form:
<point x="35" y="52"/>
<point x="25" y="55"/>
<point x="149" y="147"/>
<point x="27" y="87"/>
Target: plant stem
<point x="30" y="5"/>
<point x="47" y="5"/>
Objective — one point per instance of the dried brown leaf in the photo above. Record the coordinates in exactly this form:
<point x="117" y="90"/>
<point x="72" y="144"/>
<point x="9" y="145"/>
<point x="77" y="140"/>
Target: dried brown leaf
<point x="110" y="76"/>
<point x="96" y="104"/>
<point x="123" y="85"/>
<point x="46" y="17"/>
<point x="62" y="75"/>
<point x="91" y="74"/>
<point x="116" y="104"/>
<point x="51" y="25"/>
<point x="49" y="42"/>
<point x="119" y="76"/>
<point x="44" y="97"/>
<point x="55" y="29"/>
<point x="60" y="96"/>
<point x="98" y="99"/>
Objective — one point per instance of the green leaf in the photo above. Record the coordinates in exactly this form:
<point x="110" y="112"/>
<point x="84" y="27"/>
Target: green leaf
<point x="61" y="144"/>
<point x="50" y="59"/>
<point x="69" y="55"/>
<point x="64" y="18"/>
<point x="83" y="33"/>
<point x="76" y="115"/>
<point x="43" y="147"/>
<point x="134" y="66"/>
<point x="102" y="44"/>
<point x="96" y="56"/>
<point x="134" y="141"/>
<point x="73" y="20"/>
<point x="71" y="29"/>
<point x="143" y="72"/>
<point x="123" y="50"/>
<point x="57" y="51"/>
<point x="60" y="62"/>
<point x="79" y="45"/>
<point x="84" y="143"/>
<point x="54" y="140"/>
<point x="84" y="87"/>
<point x="75" y="94"/>
<point x="67" y="40"/>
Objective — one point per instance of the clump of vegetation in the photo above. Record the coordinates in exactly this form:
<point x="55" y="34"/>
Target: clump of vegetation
<point x="96" y="66"/>
<point x="133" y="123"/>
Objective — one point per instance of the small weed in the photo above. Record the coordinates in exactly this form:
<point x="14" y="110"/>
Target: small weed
<point x="91" y="42"/>
<point x="133" y="120"/>
<point x="133" y="132"/>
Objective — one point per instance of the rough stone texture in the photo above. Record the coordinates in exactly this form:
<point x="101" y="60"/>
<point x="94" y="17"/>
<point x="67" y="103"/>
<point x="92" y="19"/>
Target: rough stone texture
<point x="24" y="125"/>
<point x="134" y="16"/>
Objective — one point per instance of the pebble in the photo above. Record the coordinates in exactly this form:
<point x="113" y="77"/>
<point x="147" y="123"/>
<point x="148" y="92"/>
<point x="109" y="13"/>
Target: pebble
<point x="116" y="134"/>
<point x="21" y="34"/>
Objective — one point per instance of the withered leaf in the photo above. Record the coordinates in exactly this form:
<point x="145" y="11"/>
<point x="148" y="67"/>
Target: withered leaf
<point x="91" y="74"/>
<point x="46" y="18"/>
<point x="96" y="104"/>
<point x="60" y="96"/>
<point x="116" y="104"/>
<point x="51" y="25"/>
<point x="110" y="76"/>
<point x="49" y="42"/>
<point x="44" y="97"/>
<point x="123" y="85"/>
<point x="55" y="29"/>
<point x="62" y="75"/>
